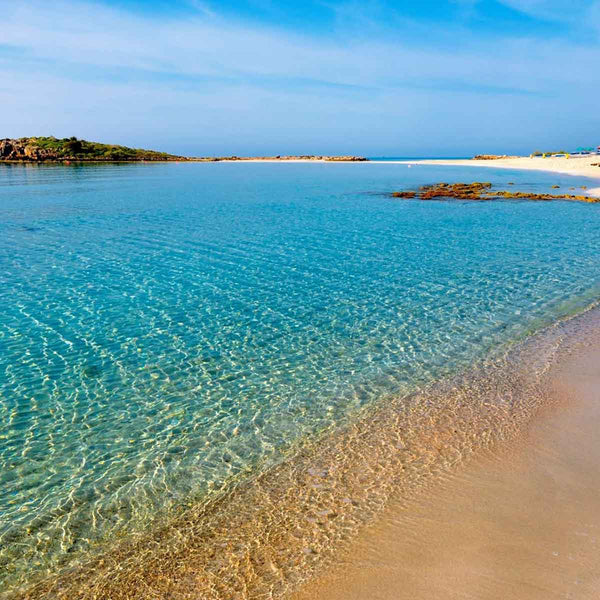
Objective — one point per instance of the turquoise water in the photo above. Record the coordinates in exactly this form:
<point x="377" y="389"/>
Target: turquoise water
<point x="168" y="328"/>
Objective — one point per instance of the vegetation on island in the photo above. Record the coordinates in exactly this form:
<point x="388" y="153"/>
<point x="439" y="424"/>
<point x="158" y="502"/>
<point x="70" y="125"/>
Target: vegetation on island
<point x="482" y="191"/>
<point x="61" y="149"/>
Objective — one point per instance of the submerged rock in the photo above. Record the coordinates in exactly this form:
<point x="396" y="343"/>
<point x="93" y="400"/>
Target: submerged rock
<point x="481" y="191"/>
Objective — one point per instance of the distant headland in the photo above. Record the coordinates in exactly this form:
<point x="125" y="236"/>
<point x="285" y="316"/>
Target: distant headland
<point x="51" y="149"/>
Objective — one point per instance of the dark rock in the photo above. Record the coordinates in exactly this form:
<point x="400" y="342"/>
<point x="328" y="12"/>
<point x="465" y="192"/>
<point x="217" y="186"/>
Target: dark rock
<point x="6" y="148"/>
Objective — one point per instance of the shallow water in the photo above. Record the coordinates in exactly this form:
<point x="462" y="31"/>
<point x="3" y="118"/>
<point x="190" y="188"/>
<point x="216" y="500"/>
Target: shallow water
<point x="169" y="329"/>
<point x="519" y="523"/>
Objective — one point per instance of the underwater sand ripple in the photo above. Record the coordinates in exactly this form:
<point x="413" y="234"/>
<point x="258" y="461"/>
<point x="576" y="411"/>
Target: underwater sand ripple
<point x="263" y="538"/>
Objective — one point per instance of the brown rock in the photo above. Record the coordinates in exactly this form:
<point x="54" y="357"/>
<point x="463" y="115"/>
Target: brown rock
<point x="482" y="191"/>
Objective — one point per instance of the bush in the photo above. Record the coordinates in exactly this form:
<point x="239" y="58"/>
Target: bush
<point x="73" y="146"/>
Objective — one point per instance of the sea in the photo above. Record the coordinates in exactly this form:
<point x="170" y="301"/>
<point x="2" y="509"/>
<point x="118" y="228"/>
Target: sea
<point x="173" y="332"/>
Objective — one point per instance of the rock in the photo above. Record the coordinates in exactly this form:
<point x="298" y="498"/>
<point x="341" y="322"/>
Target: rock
<point x="32" y="152"/>
<point x="50" y="148"/>
<point x="481" y="191"/>
<point x="6" y="148"/>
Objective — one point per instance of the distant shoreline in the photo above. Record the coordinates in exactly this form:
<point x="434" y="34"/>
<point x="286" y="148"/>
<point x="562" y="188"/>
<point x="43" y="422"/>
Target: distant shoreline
<point x="585" y="166"/>
<point x="316" y="159"/>
<point x="67" y="150"/>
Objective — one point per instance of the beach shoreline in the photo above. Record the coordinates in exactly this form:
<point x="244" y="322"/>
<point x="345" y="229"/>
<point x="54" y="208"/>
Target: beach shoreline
<point x="518" y="522"/>
<point x="334" y="493"/>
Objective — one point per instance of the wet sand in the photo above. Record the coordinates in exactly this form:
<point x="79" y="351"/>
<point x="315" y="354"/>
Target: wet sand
<point x="522" y="523"/>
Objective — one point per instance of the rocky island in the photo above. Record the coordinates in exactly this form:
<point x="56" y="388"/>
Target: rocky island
<point x="52" y="149"/>
<point x="40" y="149"/>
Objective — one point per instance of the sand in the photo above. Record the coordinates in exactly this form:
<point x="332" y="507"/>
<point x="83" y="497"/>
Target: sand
<point x="578" y="166"/>
<point x="522" y="523"/>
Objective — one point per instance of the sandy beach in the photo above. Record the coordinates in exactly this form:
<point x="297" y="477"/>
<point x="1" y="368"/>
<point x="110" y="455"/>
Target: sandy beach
<point x="520" y="523"/>
<point x="584" y="166"/>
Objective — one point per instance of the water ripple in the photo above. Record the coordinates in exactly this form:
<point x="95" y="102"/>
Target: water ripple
<point x="167" y="330"/>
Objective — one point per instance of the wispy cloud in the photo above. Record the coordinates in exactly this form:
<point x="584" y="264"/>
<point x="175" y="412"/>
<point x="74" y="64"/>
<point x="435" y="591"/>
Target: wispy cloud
<point x="89" y="69"/>
<point x="574" y="10"/>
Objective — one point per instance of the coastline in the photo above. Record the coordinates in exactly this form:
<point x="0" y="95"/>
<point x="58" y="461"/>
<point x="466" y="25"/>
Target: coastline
<point x="520" y="523"/>
<point x="290" y="526"/>
<point x="579" y="166"/>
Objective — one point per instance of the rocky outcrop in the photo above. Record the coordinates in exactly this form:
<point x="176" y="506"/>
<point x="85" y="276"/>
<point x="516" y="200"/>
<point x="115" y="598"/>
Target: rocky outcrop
<point x="481" y="191"/>
<point x="39" y="149"/>
<point x="22" y="149"/>
<point x="11" y="150"/>
<point x="6" y="148"/>
<point x="345" y="158"/>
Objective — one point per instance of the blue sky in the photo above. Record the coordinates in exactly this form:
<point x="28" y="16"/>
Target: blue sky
<point x="422" y="78"/>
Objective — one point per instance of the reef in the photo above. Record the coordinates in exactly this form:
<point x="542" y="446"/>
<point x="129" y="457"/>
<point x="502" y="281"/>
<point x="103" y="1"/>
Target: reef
<point x="480" y="191"/>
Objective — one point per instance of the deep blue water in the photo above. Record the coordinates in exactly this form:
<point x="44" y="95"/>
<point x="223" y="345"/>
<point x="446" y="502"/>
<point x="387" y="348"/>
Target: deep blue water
<point x="167" y="328"/>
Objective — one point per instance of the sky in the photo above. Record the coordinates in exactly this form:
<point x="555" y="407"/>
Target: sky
<point x="263" y="77"/>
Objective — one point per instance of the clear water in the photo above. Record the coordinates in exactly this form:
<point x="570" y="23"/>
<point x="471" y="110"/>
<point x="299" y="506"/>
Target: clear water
<point x="167" y="329"/>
